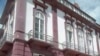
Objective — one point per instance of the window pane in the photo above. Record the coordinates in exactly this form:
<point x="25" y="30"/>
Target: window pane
<point x="36" y="35"/>
<point x="69" y="35"/>
<point x="36" y="20"/>
<point x="89" y="39"/>
<point x="80" y="39"/>
<point x="80" y="33"/>
<point x="41" y="26"/>
<point x="36" y="28"/>
<point x="36" y="24"/>
<point x="69" y="32"/>
<point x="41" y="36"/>
<point x="41" y="29"/>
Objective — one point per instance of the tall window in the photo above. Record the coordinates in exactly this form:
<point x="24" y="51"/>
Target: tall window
<point x="89" y="38"/>
<point x="80" y="38"/>
<point x="69" y="32"/>
<point x="90" y="43"/>
<point x="80" y="33"/>
<point x="39" y="25"/>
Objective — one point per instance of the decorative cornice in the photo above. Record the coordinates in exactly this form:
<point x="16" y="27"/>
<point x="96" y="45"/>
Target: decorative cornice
<point x="89" y="29"/>
<point x="79" y="24"/>
<point x="40" y="4"/>
<point x="68" y="18"/>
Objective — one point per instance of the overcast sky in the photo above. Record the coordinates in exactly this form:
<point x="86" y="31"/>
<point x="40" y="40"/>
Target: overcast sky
<point x="91" y="7"/>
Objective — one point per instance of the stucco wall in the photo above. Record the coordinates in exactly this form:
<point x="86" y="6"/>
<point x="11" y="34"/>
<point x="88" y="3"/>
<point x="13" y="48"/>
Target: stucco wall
<point x="61" y="24"/>
<point x="61" y="27"/>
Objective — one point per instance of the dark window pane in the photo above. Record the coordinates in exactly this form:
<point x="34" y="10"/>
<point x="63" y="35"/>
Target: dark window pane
<point x="89" y="41"/>
<point x="36" y="27"/>
<point x="36" y="20"/>
<point x="69" y="35"/>
<point x="89" y="38"/>
<point x="41" y="36"/>
<point x="36" y="35"/>
<point x="41" y="26"/>
<point x="41" y="29"/>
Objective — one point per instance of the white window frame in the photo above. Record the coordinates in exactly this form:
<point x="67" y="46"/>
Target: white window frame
<point x="70" y="29"/>
<point x="80" y="36"/>
<point x="89" y="38"/>
<point x="41" y="17"/>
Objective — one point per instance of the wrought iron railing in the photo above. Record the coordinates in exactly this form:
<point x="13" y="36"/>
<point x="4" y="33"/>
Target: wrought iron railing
<point x="78" y="48"/>
<point x="69" y="45"/>
<point x="41" y="37"/>
<point x="49" y="39"/>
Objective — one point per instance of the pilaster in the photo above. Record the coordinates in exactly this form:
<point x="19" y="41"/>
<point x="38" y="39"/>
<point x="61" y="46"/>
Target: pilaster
<point x="55" y="26"/>
<point x="20" y="47"/>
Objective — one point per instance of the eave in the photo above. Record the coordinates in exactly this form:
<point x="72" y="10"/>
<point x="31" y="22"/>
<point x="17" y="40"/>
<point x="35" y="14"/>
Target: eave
<point x="65" y="9"/>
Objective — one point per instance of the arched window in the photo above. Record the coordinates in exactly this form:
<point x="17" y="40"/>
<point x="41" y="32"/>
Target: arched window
<point x="39" y="24"/>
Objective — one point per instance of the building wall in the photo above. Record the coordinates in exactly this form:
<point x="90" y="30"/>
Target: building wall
<point x="49" y="21"/>
<point x="29" y="16"/>
<point x="61" y="24"/>
<point x="30" y="21"/>
<point x="9" y="27"/>
<point x="62" y="34"/>
<point x="62" y="38"/>
<point x="61" y="27"/>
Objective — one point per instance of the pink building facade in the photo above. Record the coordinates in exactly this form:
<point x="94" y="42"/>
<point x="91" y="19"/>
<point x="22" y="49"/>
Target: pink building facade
<point x="47" y="28"/>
